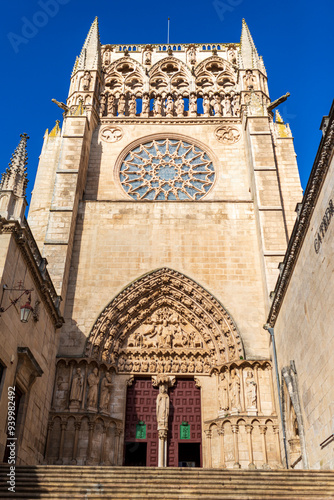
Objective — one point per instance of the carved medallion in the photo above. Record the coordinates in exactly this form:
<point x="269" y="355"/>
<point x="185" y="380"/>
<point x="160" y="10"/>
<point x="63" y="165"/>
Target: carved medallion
<point x="227" y="134"/>
<point x="111" y="134"/>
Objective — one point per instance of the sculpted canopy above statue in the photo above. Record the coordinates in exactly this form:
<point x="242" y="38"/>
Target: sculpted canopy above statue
<point x="164" y="323"/>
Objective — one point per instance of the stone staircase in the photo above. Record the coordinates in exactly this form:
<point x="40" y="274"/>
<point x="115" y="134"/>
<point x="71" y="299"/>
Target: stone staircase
<point x="125" y="483"/>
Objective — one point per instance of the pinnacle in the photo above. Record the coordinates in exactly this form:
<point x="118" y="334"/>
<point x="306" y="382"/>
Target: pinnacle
<point x="250" y="57"/>
<point x="90" y="57"/>
<point x="15" y="177"/>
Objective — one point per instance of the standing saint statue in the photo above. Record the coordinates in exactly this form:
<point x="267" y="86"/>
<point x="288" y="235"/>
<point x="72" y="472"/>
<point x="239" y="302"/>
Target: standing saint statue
<point x="234" y="389"/>
<point x="223" y="393"/>
<point x="250" y="390"/>
<point x="92" y="381"/>
<point x="106" y="387"/>
<point x="76" y="389"/>
<point x="162" y="408"/>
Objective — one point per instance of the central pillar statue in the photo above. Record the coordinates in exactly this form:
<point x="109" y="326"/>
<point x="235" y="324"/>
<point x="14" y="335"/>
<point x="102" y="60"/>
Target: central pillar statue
<point x="162" y="423"/>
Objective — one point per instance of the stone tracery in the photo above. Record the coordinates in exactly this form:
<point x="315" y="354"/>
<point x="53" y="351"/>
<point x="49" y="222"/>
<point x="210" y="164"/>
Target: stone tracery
<point x="167" y="169"/>
<point x="164" y="323"/>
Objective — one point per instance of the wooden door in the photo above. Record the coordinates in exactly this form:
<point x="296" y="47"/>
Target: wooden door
<point x="185" y="406"/>
<point x="141" y="407"/>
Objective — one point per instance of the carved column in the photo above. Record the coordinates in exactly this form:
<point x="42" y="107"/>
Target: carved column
<point x="91" y="426"/>
<point x="249" y="429"/>
<point x="118" y="433"/>
<point x="77" y="426"/>
<point x="63" y="425"/>
<point x="277" y="444"/>
<point x="112" y="460"/>
<point x="48" y="439"/>
<point x="263" y="431"/>
<point x="235" y="431"/>
<point x="208" y="434"/>
<point x="222" y="448"/>
<point x="258" y="396"/>
<point x="162" y="462"/>
<point x="103" y="445"/>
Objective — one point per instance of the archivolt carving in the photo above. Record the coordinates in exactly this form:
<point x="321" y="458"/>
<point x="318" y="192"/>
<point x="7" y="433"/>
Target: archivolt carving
<point x="164" y="323"/>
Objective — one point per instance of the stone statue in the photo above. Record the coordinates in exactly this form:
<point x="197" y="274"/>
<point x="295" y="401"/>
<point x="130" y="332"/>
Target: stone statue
<point x="217" y="105"/>
<point x="136" y="365"/>
<point x="249" y="79"/>
<point x="179" y="106"/>
<point x="157" y="106"/>
<point x="206" y="105"/>
<point x="145" y="104"/>
<point x="175" y="365"/>
<point x="168" y="365"/>
<point x="111" y="105"/>
<point x="132" y="106"/>
<point x="106" y="57"/>
<point x="191" y="366"/>
<point x="103" y="104"/>
<point x="250" y="390"/>
<point x="162" y="408"/>
<point x="169" y="106"/>
<point x="121" y="105"/>
<point x="183" y="366"/>
<point x="178" y="337"/>
<point x="227" y="105"/>
<point x="92" y="381"/>
<point x="231" y="55"/>
<point x="192" y="55"/>
<point x="223" y="393"/>
<point x="86" y="80"/>
<point x="144" y="365"/>
<point x="106" y="387"/>
<point x="234" y="390"/>
<point x="77" y="386"/>
<point x="153" y="366"/>
<point x="199" y="366"/>
<point x="193" y="105"/>
<point x="147" y="57"/>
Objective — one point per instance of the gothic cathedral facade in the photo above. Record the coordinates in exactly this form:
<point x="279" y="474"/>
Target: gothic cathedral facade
<point x="163" y="206"/>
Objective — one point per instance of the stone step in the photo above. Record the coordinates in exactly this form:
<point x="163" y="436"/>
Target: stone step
<point x="125" y="483"/>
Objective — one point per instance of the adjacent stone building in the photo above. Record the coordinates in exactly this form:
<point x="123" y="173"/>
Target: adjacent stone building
<point x="301" y="314"/>
<point x="28" y="349"/>
<point x="163" y="206"/>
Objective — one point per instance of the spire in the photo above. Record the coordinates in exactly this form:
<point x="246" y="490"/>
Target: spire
<point x="249" y="55"/>
<point x="15" y="177"/>
<point x="13" y="184"/>
<point x="90" y="56"/>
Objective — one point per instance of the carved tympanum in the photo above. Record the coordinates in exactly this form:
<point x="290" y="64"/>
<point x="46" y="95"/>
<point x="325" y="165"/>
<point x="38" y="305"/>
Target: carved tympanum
<point x="164" y="323"/>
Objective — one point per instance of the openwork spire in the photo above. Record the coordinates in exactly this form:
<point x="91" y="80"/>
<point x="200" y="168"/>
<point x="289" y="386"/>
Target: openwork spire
<point x="15" y="177"/>
<point x="90" y="56"/>
<point x="249" y="55"/>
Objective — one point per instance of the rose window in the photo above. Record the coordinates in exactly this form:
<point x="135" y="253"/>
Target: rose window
<point x="167" y="169"/>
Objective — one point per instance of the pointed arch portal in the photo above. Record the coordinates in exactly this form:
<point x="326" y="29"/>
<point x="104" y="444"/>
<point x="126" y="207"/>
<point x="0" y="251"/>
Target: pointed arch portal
<point x="164" y="322"/>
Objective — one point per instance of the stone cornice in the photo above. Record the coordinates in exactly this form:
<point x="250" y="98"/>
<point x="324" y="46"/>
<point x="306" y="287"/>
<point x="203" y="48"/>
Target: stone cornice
<point x="36" y="265"/>
<point x="313" y="188"/>
<point x="169" y="121"/>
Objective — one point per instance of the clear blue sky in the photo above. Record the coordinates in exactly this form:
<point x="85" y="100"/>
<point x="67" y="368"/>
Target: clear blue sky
<point x="294" y="37"/>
